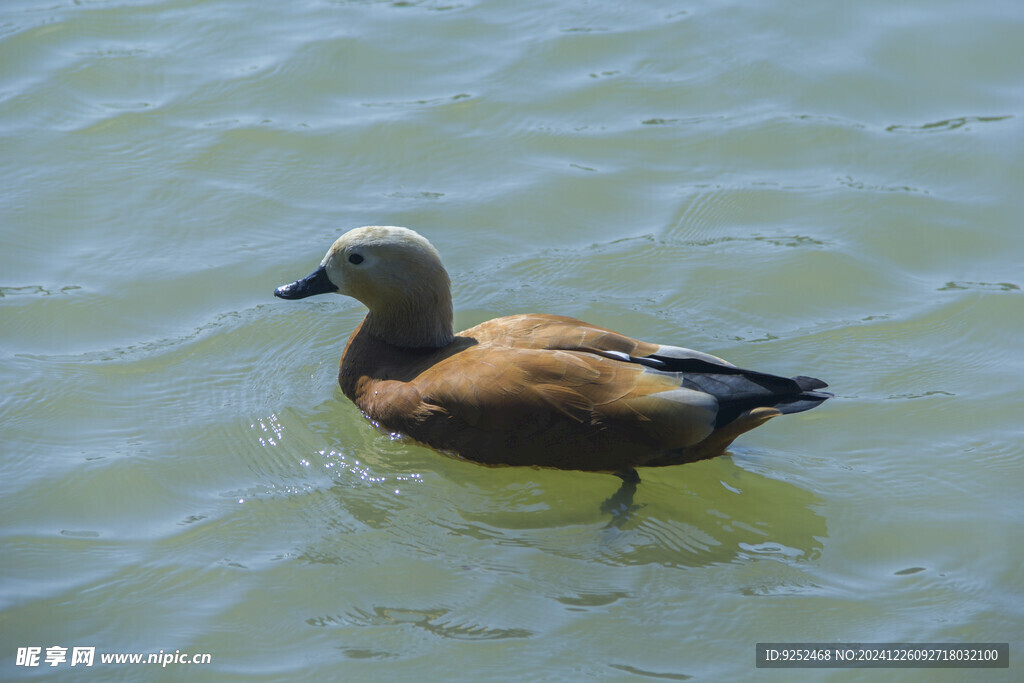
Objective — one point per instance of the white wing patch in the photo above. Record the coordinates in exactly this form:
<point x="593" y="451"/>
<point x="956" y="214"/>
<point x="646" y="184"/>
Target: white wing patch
<point x="680" y="352"/>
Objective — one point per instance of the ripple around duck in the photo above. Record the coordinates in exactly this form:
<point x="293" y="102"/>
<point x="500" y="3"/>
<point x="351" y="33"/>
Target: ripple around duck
<point x="945" y="125"/>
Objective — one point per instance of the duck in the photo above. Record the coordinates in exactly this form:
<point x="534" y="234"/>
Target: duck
<point x="530" y="389"/>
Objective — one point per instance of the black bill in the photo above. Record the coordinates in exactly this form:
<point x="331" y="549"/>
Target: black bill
<point x="316" y="282"/>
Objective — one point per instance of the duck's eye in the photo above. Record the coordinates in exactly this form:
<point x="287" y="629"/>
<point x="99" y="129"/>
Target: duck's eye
<point x="355" y="259"/>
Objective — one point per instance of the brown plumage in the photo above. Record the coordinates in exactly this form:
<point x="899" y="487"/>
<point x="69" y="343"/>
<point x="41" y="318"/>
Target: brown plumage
<point x="530" y="389"/>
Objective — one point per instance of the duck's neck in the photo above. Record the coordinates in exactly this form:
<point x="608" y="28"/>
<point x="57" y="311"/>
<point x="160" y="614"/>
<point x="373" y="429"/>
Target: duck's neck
<point x="415" y="322"/>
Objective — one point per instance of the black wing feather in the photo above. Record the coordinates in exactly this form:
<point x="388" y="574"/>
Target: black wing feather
<point x="738" y="390"/>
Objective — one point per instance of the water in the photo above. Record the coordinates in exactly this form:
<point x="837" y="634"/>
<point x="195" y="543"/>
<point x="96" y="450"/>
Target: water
<point x="831" y="190"/>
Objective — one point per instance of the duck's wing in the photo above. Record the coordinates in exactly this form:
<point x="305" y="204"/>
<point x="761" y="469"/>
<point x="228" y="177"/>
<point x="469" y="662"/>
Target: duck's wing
<point x="735" y="390"/>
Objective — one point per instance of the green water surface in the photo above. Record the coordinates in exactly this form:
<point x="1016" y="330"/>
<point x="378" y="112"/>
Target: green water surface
<point x="831" y="189"/>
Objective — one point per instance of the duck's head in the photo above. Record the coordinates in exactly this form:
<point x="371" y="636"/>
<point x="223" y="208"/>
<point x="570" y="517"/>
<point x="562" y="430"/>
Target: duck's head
<point x="397" y="274"/>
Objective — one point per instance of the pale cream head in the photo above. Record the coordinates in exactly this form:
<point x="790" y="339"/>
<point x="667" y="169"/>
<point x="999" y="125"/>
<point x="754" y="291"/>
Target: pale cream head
<point x="397" y="274"/>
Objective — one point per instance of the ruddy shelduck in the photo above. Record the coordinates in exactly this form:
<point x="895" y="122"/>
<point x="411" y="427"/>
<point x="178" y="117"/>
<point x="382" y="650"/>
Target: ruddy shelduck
<point x="531" y="389"/>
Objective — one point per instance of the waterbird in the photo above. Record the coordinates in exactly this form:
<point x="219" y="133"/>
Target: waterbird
<point x="531" y="389"/>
